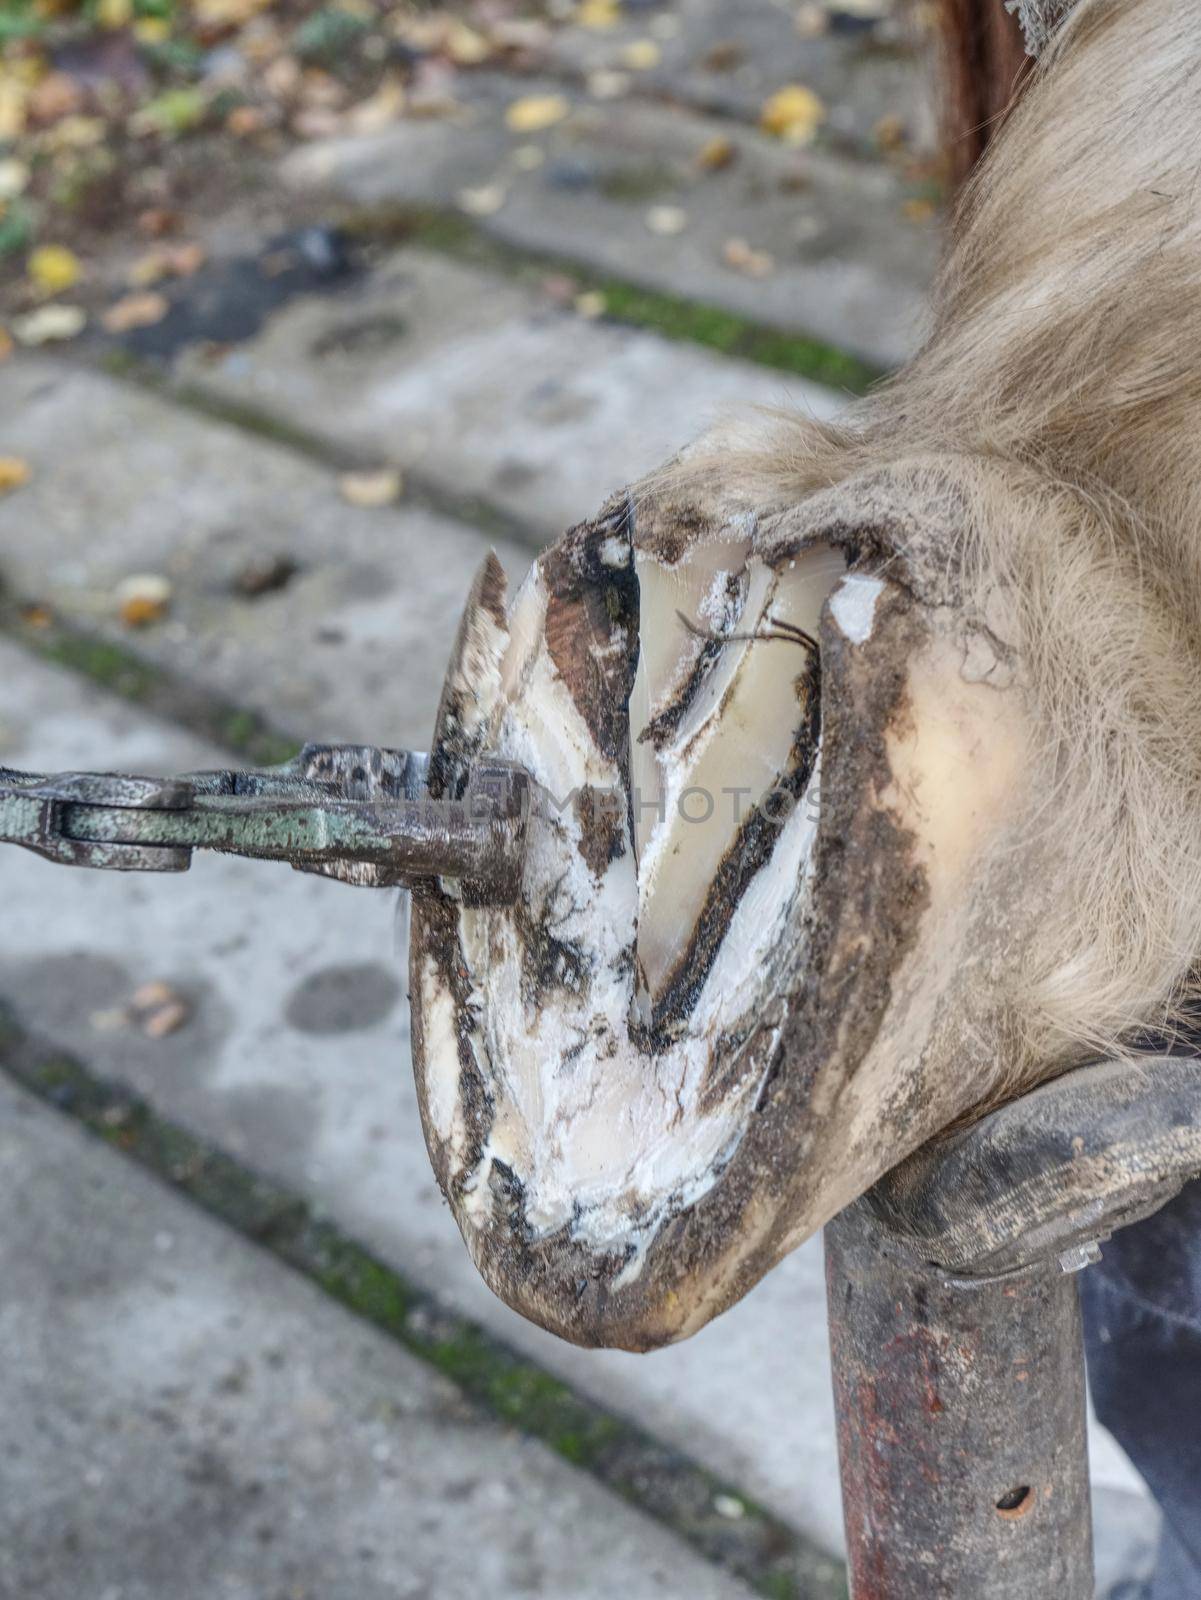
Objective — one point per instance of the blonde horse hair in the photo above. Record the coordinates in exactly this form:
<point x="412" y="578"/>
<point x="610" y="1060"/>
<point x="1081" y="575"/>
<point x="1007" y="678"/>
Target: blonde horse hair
<point x="1059" y="395"/>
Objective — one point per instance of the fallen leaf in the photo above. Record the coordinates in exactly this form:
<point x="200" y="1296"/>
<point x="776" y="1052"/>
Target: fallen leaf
<point x="158" y="1010"/>
<point x="723" y="56"/>
<point x="143" y="599"/>
<point x="379" y="110"/>
<point x="166" y="1020"/>
<point x="53" y="268"/>
<point x="49" y="324"/>
<point x="151" y="30"/>
<point x="317" y="122"/>
<point x="282" y="77"/>
<point x="918" y="210"/>
<point x="172" y="114"/>
<point x="466" y="47"/>
<point x="185" y="259"/>
<point x="13" y="473"/>
<point x="737" y="253"/>
<point x="597" y="14"/>
<point x="114" y="13"/>
<point x="156" y="221"/>
<point x="56" y="96"/>
<point x="716" y="153"/>
<point x="13" y="96"/>
<point x="264" y="575"/>
<point x="140" y="310"/>
<point x="607" y="84"/>
<point x="217" y="14"/>
<point x="14" y="178"/>
<point x="321" y="91"/>
<point x="641" y="55"/>
<point x="591" y="304"/>
<point x="369" y="490"/>
<point x="889" y="132"/>
<point x="147" y="269"/>
<point x="484" y="201"/>
<point x="74" y="133"/>
<point x="149" y="995"/>
<point x="812" y="21"/>
<point x="36" y="616"/>
<point x="168" y="261"/>
<point x="6" y="344"/>
<point x="534" y="112"/>
<point x="667" y="220"/>
<point x="792" y="114"/>
<point x="245" y="121"/>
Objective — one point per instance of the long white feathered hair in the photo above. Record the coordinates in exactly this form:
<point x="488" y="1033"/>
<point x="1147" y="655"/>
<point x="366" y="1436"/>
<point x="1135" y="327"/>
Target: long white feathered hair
<point x="1059" y="394"/>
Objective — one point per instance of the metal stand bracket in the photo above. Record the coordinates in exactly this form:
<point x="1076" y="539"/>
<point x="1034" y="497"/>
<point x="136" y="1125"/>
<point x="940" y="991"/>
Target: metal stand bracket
<point x="956" y="1339"/>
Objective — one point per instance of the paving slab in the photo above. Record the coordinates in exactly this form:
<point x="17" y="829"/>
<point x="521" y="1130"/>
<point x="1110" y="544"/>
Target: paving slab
<point x="484" y="389"/>
<point x="185" y="1417"/>
<point x="866" y="63"/>
<point x="123" y="483"/>
<point x="618" y="186"/>
<point x="296" y="1060"/>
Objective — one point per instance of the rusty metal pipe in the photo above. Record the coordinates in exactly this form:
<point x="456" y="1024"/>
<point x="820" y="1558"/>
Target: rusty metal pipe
<point x="961" y="1424"/>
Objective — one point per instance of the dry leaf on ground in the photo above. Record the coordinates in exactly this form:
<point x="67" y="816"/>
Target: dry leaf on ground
<point x="158" y="1010"/>
<point x="485" y="201"/>
<point x="57" y="95"/>
<point x="641" y="55"/>
<point x="740" y="255"/>
<point x="14" y="178"/>
<point x="143" y="598"/>
<point x="49" y="324"/>
<point x="168" y="261"/>
<point x="716" y="153"/>
<point x="597" y="14"/>
<point x="52" y="268"/>
<point x="793" y="114"/>
<point x="889" y="132"/>
<point x="368" y="490"/>
<point x="244" y="122"/>
<point x="379" y="110"/>
<point x="667" y="220"/>
<point x="918" y="210"/>
<point x="13" y="95"/>
<point x="141" y="310"/>
<point x="606" y="84"/>
<point x="14" y="471"/>
<point x="74" y="133"/>
<point x="466" y="47"/>
<point x="533" y="112"/>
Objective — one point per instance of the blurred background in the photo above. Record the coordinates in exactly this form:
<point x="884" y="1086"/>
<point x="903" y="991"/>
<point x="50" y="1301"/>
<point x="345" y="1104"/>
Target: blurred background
<point x="302" y="308"/>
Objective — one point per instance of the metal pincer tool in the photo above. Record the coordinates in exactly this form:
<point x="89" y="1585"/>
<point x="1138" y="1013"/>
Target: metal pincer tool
<point x="357" y="813"/>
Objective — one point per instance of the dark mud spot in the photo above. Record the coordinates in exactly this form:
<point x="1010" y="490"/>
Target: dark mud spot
<point x="343" y="999"/>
